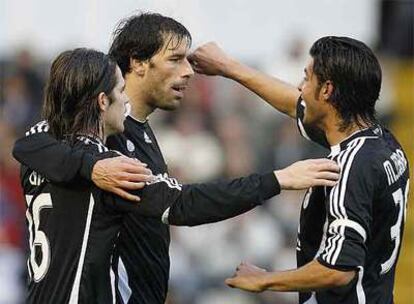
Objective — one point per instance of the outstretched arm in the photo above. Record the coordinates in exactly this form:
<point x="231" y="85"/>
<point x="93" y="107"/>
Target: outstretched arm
<point x="209" y="59"/>
<point x="196" y="204"/>
<point x="310" y="277"/>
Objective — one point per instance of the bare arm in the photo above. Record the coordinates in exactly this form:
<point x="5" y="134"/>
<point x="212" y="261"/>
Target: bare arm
<point x="209" y="59"/>
<point x="310" y="277"/>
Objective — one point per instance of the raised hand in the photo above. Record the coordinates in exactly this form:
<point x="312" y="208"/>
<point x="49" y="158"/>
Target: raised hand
<point x="210" y="59"/>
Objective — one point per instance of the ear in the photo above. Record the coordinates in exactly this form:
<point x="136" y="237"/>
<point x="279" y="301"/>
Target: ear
<point x="327" y="90"/>
<point x="137" y="66"/>
<point x="103" y="102"/>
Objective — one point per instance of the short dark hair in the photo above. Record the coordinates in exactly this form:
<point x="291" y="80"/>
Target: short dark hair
<point x="356" y="76"/>
<point x="76" y="79"/>
<point x="142" y="36"/>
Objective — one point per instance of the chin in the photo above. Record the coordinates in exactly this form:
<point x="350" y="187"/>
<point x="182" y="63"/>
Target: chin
<point x="171" y="105"/>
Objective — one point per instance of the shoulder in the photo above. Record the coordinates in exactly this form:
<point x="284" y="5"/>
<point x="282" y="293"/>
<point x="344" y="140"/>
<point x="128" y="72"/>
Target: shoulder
<point x="40" y="127"/>
<point x="95" y="146"/>
<point x="362" y="161"/>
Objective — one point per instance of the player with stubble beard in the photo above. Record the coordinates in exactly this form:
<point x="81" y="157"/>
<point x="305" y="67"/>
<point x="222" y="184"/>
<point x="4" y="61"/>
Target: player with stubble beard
<point x="350" y="235"/>
<point x="151" y="51"/>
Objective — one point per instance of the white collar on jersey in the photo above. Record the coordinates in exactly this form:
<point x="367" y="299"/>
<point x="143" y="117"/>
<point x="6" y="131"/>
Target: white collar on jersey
<point x="337" y="148"/>
<point x="136" y="119"/>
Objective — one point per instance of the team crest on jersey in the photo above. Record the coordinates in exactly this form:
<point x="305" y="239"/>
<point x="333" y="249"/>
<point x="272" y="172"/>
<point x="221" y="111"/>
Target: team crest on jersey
<point x="130" y="146"/>
<point x="147" y="138"/>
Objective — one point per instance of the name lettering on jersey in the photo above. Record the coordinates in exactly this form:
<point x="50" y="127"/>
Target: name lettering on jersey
<point x="164" y="178"/>
<point x="394" y="172"/>
<point x="147" y="138"/>
<point x="35" y="179"/>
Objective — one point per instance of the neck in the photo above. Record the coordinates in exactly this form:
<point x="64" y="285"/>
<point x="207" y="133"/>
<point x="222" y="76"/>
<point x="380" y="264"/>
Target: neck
<point x="335" y="135"/>
<point x="140" y="108"/>
<point x="102" y="135"/>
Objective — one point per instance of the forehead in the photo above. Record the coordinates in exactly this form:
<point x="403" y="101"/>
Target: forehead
<point x="119" y="79"/>
<point x="309" y="65"/>
<point x="175" y="44"/>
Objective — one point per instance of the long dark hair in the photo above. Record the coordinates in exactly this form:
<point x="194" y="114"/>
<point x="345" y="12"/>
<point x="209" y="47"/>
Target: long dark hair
<point x="142" y="36"/>
<point x="76" y="79"/>
<point x="356" y="76"/>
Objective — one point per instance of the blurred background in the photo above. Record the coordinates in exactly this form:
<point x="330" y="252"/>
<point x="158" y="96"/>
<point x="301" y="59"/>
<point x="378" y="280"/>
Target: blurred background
<point x="221" y="130"/>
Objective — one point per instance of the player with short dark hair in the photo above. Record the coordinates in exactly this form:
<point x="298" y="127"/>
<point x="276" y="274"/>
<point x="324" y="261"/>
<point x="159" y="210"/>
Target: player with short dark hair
<point x="155" y="48"/>
<point x="350" y="234"/>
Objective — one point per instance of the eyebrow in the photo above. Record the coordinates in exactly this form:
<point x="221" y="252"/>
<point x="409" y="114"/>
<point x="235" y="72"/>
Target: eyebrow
<point x="178" y="54"/>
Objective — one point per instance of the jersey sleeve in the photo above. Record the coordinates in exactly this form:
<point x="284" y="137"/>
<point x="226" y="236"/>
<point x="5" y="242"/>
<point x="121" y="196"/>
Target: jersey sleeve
<point x="310" y="133"/>
<point x="349" y="215"/>
<point x="55" y="160"/>
<point x="196" y="204"/>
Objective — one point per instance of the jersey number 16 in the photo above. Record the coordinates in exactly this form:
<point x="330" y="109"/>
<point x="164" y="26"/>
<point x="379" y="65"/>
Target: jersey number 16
<point x="37" y="238"/>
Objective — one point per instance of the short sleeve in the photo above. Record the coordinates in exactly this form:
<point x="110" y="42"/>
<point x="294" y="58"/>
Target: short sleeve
<point x="349" y="214"/>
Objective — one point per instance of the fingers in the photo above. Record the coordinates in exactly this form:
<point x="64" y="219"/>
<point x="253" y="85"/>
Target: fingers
<point x="328" y="175"/>
<point x="329" y="166"/>
<point x="126" y="196"/>
<point x="127" y="185"/>
<point x="323" y="182"/>
<point x="135" y="170"/>
<point x="324" y="164"/>
<point x="132" y="161"/>
<point x="136" y="178"/>
<point x="230" y="282"/>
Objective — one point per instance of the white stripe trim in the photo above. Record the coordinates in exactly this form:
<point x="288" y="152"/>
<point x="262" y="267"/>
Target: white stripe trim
<point x="342" y="196"/>
<point x="337" y="200"/>
<point x="311" y="300"/>
<point x="351" y="224"/>
<point x="333" y="205"/>
<point x="165" y="215"/>
<point x="74" y="295"/>
<point x="302" y="130"/>
<point x="112" y="275"/>
<point x="123" y="284"/>
<point x="359" y="287"/>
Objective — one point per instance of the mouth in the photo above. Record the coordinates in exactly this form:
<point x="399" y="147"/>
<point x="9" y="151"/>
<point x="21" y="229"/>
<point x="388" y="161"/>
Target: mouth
<point x="179" y="89"/>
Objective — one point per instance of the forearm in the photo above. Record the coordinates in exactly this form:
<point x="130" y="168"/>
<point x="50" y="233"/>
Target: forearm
<point x="212" y="202"/>
<point x="56" y="161"/>
<point x="280" y="95"/>
<point x="312" y="276"/>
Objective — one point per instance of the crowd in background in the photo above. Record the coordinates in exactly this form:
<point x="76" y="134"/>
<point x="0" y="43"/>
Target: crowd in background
<point x="221" y="131"/>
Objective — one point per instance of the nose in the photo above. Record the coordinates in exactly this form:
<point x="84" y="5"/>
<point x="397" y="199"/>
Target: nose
<point x="301" y="85"/>
<point x="188" y="69"/>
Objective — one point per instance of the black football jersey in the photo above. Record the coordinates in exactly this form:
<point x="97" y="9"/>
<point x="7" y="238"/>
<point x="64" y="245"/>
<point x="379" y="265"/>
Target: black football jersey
<point x="357" y="224"/>
<point x="72" y="232"/>
<point x="141" y="262"/>
<point x="141" y="258"/>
